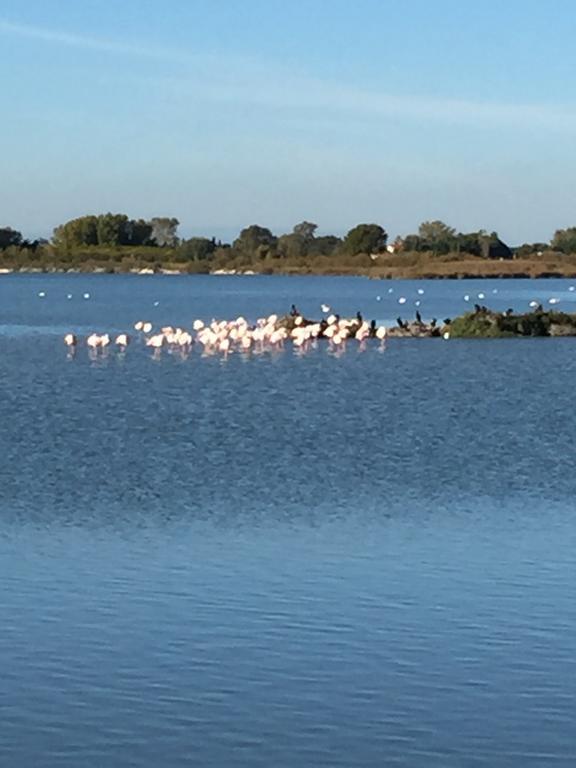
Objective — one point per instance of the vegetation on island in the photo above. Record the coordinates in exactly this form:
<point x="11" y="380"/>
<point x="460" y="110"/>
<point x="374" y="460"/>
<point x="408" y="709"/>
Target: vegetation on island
<point x="484" y="323"/>
<point x="116" y="243"/>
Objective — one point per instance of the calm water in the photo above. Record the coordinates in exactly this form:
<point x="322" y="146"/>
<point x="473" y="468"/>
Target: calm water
<point x="284" y="560"/>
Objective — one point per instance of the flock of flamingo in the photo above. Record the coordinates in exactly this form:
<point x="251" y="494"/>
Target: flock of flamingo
<point x="226" y="336"/>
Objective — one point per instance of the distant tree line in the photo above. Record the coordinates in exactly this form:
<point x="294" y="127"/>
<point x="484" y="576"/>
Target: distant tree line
<point x="439" y="239"/>
<point x="116" y="229"/>
<point x="116" y="238"/>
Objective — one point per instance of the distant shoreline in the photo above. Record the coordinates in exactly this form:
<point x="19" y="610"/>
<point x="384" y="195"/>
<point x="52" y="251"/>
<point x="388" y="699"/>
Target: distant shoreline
<point x="440" y="271"/>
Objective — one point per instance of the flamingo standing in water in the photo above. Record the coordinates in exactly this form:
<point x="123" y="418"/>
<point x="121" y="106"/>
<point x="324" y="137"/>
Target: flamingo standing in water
<point x="122" y="341"/>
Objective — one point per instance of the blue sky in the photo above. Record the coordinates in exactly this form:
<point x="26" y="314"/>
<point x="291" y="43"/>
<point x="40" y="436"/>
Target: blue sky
<point x="231" y="112"/>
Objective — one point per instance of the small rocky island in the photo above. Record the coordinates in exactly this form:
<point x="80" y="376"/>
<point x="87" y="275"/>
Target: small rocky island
<point x="480" y="323"/>
<point x="488" y="324"/>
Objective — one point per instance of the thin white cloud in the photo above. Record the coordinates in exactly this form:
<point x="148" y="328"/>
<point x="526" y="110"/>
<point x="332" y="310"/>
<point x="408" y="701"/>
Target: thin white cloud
<point x="83" y="41"/>
<point x="251" y="83"/>
<point x="306" y="97"/>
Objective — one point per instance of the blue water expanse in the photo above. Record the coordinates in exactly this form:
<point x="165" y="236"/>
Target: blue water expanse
<point x="284" y="560"/>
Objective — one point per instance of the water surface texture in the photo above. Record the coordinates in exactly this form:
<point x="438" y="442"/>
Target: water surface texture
<point x="362" y="559"/>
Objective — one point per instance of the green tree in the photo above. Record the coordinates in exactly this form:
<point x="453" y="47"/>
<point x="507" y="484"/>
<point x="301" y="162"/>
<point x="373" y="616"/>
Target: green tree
<point x="139" y="232"/>
<point x="365" y="238"/>
<point x="413" y="243"/>
<point x="77" y="232"/>
<point x="436" y="237"/>
<point x="292" y="246"/>
<point x="9" y="237"/>
<point x="305" y="230"/>
<point x="564" y="240"/>
<point x="298" y="243"/>
<point x="196" y="249"/>
<point x="255" y="242"/>
<point x="327" y="245"/>
<point x="112" y="229"/>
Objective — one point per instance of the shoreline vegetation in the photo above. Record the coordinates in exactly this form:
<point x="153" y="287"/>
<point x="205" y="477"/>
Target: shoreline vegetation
<point x="113" y="243"/>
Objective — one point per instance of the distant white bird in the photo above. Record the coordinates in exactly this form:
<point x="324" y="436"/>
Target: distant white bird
<point x="197" y="325"/>
<point x="122" y="340"/>
<point x="325" y="308"/>
<point x="93" y="341"/>
<point x="571" y="288"/>
<point x="70" y="340"/>
<point x="146" y="327"/>
<point x="86" y="295"/>
<point x="41" y="294"/>
<point x="69" y="296"/>
<point x="156" y="342"/>
<point x="495" y="290"/>
<point x="402" y="300"/>
<point x="533" y="303"/>
<point x="481" y="296"/>
<point x="378" y="298"/>
<point x="390" y="290"/>
<point x="417" y="303"/>
<point x="466" y="297"/>
<point x="553" y="301"/>
<point x="446" y="335"/>
<point x="156" y="303"/>
<point x="381" y="332"/>
<point x="420" y="291"/>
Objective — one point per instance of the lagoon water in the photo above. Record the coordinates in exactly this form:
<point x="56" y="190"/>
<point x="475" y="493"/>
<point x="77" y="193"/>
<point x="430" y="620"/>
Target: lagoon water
<point x="284" y="560"/>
